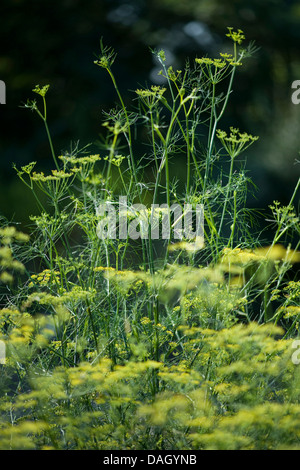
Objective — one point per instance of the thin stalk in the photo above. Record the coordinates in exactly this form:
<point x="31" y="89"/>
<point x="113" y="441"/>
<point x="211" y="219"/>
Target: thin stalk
<point x="51" y="145"/>
<point x="111" y="154"/>
<point x="227" y="194"/>
<point x="129" y="138"/>
<point x="230" y="241"/>
<point x="213" y="131"/>
<point x="44" y="117"/>
<point x="281" y="231"/>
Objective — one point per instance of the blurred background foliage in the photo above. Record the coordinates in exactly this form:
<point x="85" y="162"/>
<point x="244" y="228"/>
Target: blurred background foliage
<point x="54" y="42"/>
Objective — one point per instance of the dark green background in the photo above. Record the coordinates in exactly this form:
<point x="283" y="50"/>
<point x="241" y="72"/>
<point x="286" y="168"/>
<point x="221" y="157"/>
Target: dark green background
<point x="54" y="42"/>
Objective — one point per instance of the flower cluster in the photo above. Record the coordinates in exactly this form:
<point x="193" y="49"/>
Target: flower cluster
<point x="80" y="160"/>
<point x="236" y="141"/>
<point x="115" y="160"/>
<point x="151" y="96"/>
<point x="45" y="278"/>
<point x="218" y="63"/>
<point x="154" y="91"/>
<point x="41" y="91"/>
<point x="106" y="58"/>
<point x="8" y="236"/>
<point x="236" y="36"/>
<point x="56" y="175"/>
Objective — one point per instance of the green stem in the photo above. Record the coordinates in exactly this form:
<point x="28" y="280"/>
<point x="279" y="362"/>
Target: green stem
<point x="129" y="139"/>
<point x="230" y="241"/>
<point x="227" y="194"/>
<point x="48" y="133"/>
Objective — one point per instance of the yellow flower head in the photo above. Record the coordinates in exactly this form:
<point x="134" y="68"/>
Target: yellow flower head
<point x="236" y="36"/>
<point x="41" y="91"/>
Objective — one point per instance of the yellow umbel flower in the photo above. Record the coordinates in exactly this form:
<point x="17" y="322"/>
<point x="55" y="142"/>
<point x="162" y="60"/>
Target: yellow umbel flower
<point x="41" y="91"/>
<point x="236" y="36"/>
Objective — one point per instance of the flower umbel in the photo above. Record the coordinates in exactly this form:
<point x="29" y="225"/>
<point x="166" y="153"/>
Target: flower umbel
<point x="41" y="91"/>
<point x="236" y="36"/>
<point x="106" y="58"/>
<point x="236" y="141"/>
